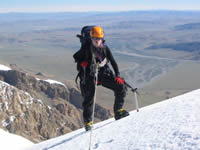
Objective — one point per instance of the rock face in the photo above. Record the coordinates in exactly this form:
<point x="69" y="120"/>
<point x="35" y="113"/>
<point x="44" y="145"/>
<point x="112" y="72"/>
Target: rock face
<point x="22" y="114"/>
<point x="39" y="110"/>
<point x="34" y="86"/>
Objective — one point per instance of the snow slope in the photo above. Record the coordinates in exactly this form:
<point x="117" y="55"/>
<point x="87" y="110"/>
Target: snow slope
<point x="13" y="142"/>
<point x="4" y="68"/>
<point x="170" y="125"/>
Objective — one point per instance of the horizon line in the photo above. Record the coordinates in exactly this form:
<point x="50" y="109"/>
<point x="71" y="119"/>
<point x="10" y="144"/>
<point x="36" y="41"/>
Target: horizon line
<point x="104" y="11"/>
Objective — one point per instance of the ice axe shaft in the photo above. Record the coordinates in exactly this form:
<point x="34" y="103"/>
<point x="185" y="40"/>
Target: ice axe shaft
<point x="134" y="90"/>
<point x="136" y="102"/>
<point x="94" y="103"/>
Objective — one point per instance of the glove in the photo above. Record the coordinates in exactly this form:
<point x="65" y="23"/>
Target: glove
<point x="84" y="64"/>
<point x="119" y="80"/>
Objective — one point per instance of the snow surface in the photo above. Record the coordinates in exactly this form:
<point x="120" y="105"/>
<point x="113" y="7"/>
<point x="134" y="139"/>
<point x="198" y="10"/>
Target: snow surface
<point x="54" y="82"/>
<point x="4" y="68"/>
<point x="13" y="142"/>
<point x="173" y="124"/>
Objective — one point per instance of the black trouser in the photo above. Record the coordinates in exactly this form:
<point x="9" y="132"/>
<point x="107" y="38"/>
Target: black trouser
<point x="106" y="79"/>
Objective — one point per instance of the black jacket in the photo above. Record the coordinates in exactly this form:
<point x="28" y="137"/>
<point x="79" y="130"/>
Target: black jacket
<point x="87" y="52"/>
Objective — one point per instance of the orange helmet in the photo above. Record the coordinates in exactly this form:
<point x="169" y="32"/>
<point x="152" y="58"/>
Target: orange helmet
<point x="96" y="32"/>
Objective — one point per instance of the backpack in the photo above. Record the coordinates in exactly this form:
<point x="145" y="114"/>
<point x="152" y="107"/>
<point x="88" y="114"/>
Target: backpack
<point x="85" y="40"/>
<point x="85" y="35"/>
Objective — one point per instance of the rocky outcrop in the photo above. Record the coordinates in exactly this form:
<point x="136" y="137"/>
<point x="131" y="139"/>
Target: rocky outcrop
<point x="29" y="117"/>
<point x="33" y="85"/>
<point x="39" y="110"/>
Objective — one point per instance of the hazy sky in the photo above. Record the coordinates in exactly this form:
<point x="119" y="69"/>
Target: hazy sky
<point x="96" y="5"/>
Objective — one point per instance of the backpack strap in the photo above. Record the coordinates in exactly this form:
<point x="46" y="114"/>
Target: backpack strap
<point x="76" y="79"/>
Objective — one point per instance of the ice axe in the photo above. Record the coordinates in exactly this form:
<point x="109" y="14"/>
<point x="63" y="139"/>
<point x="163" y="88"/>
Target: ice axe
<point x="134" y="90"/>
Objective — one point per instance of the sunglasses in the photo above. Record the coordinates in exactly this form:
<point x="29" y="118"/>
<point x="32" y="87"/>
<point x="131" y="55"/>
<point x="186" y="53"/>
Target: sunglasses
<point x="96" y="39"/>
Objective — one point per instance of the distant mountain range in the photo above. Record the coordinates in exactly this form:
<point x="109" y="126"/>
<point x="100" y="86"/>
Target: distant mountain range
<point x="187" y="47"/>
<point x="189" y="26"/>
